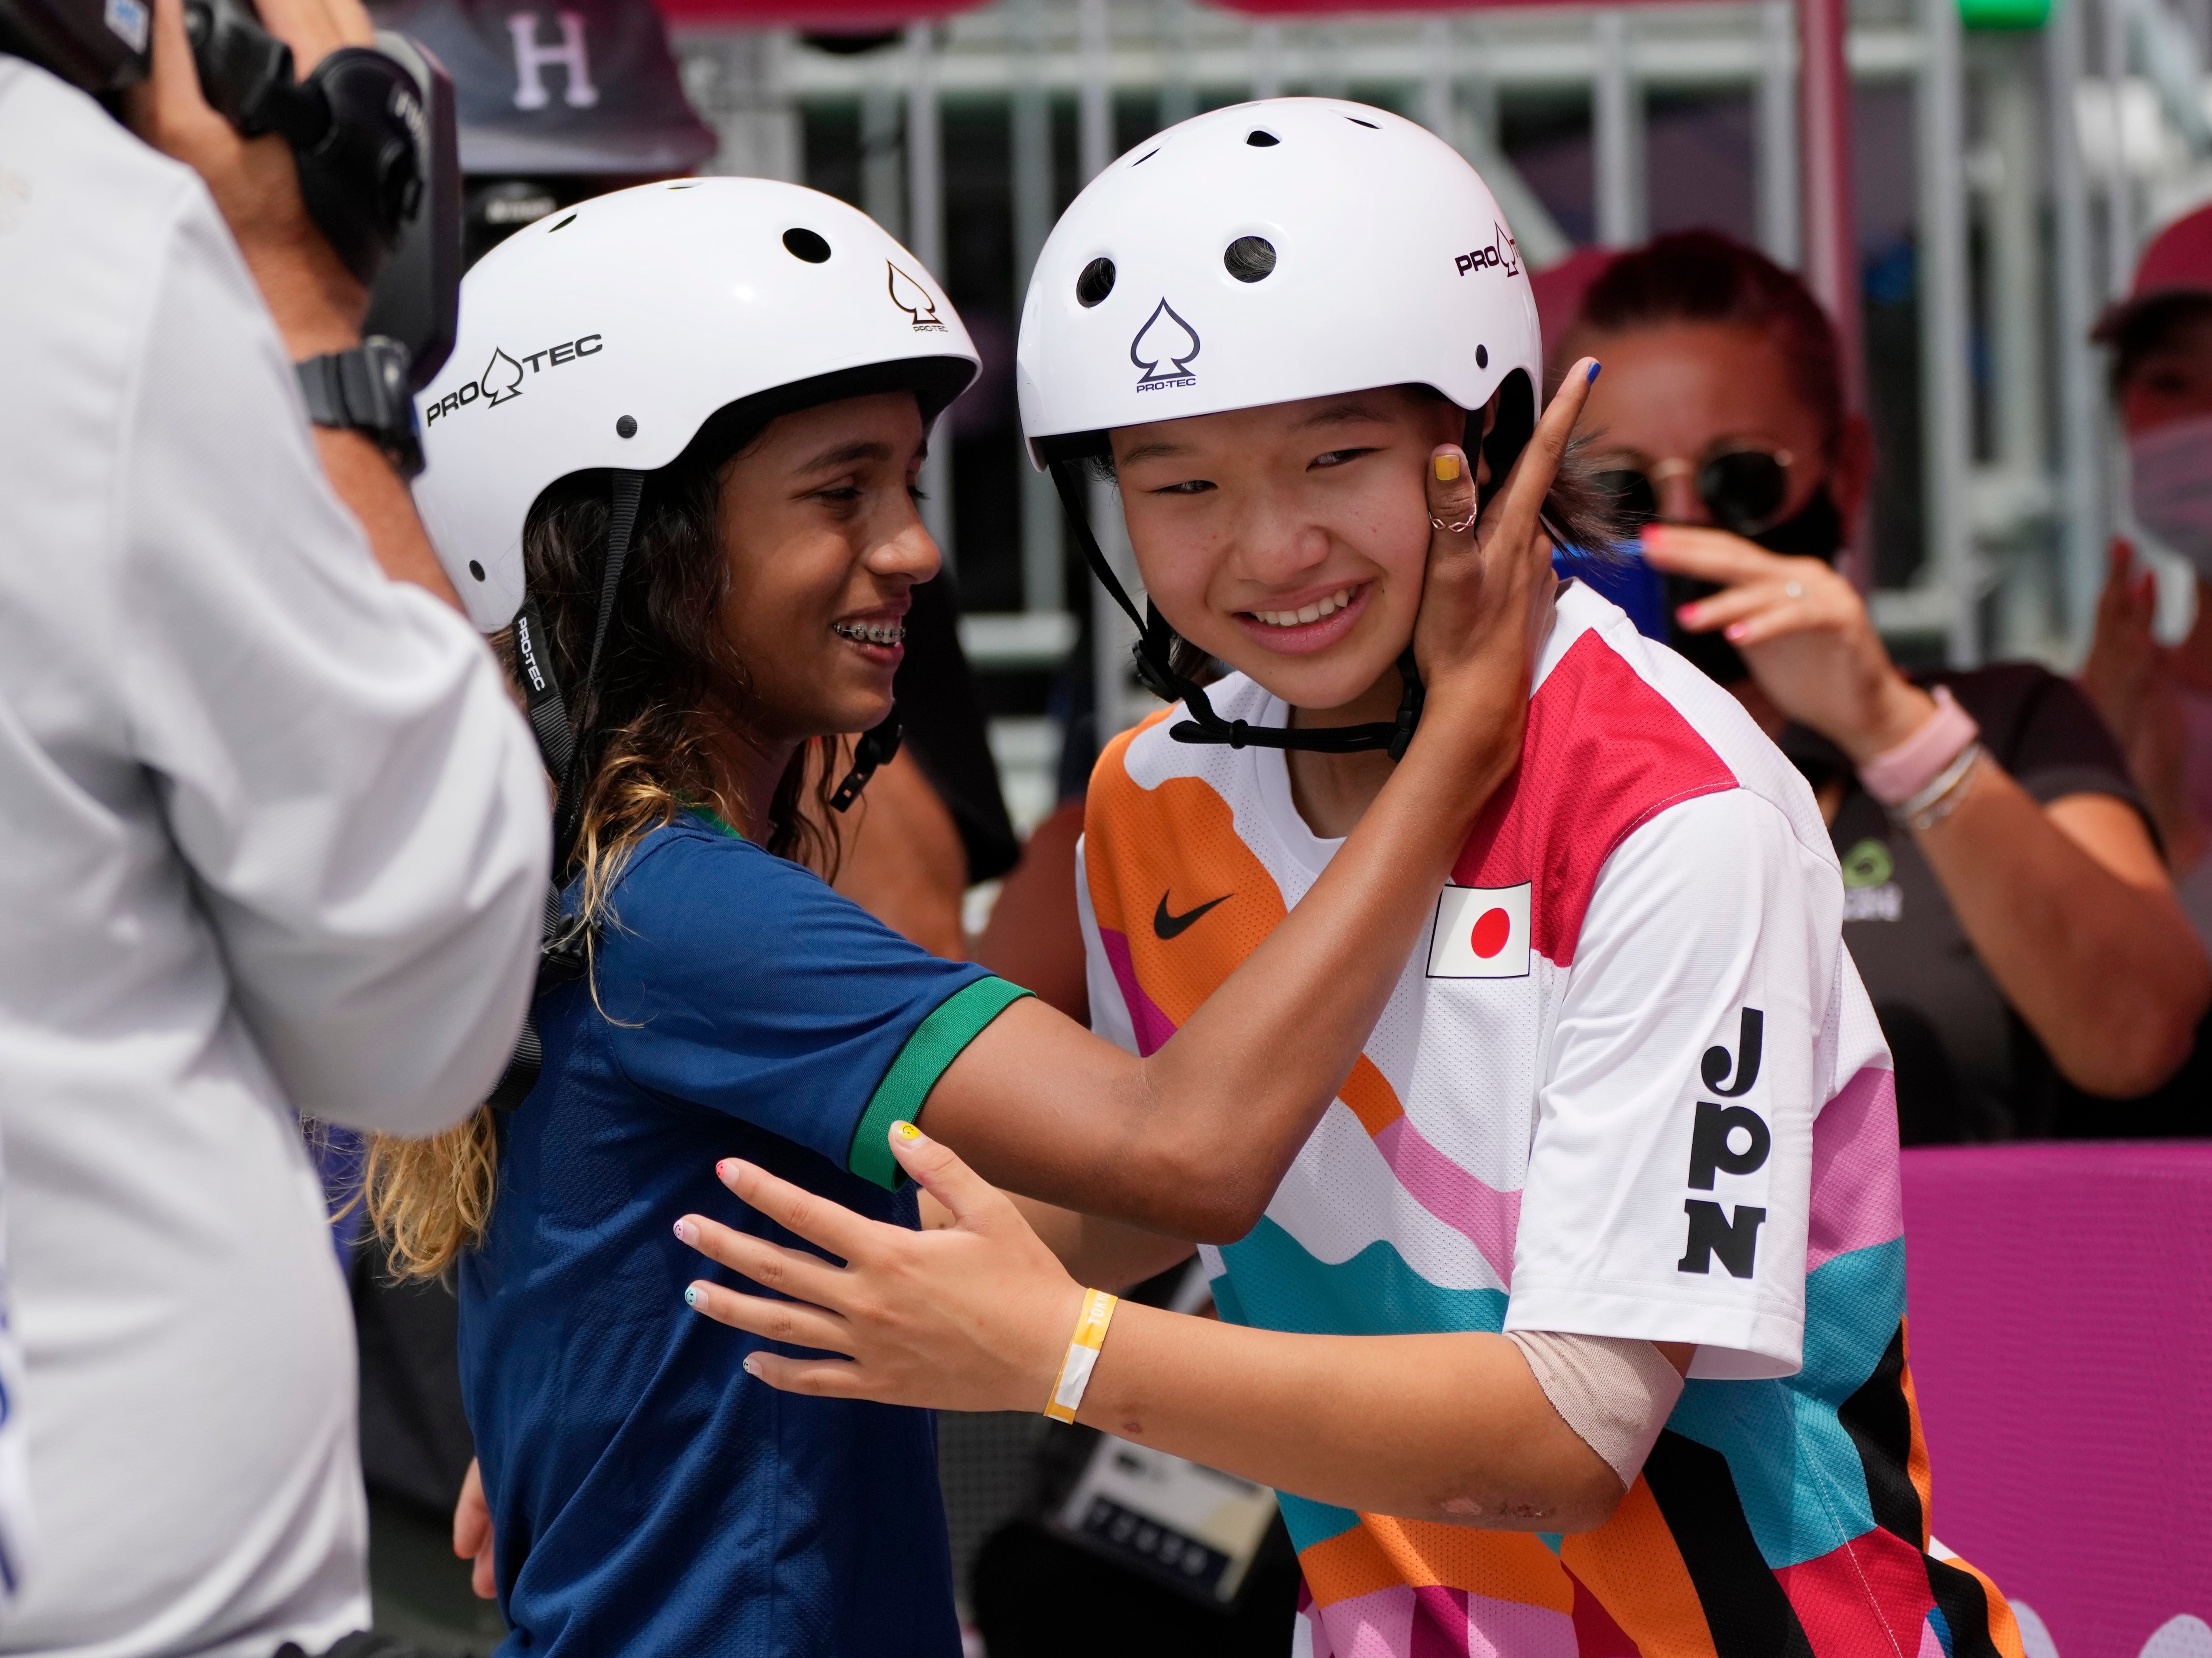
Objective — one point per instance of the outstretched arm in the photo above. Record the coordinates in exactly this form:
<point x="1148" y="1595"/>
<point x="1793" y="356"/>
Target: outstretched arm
<point x="1448" y="1428"/>
<point x="1194" y="1140"/>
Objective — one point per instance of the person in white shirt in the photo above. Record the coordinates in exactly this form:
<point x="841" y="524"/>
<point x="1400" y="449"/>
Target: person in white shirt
<point x="276" y="843"/>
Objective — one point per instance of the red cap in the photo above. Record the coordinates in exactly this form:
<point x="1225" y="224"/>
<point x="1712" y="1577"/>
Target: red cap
<point x="2177" y="261"/>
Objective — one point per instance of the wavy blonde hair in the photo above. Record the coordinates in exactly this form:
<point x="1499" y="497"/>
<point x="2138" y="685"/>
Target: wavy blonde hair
<point x="669" y="680"/>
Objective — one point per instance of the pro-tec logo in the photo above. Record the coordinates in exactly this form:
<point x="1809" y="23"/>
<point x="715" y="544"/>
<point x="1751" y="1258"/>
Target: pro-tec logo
<point x="911" y="297"/>
<point x="1502" y="253"/>
<point x="501" y="379"/>
<point x="1165" y="339"/>
<point x="1481" y="933"/>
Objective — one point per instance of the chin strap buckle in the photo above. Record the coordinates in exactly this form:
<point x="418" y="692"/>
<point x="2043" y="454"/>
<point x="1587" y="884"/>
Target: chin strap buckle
<point x="877" y="744"/>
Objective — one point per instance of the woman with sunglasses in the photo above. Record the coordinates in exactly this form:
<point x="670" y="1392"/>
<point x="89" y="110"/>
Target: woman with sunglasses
<point x="2005" y="897"/>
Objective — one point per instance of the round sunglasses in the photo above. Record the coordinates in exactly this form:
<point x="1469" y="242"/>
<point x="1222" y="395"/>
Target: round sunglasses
<point x="1743" y="486"/>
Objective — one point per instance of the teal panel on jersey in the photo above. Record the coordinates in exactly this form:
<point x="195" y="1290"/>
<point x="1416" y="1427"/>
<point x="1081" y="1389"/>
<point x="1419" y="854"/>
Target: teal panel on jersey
<point x="1801" y="1505"/>
<point x="1278" y="1286"/>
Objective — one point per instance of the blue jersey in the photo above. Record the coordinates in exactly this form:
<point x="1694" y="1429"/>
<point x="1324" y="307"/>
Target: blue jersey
<point x="648" y="1497"/>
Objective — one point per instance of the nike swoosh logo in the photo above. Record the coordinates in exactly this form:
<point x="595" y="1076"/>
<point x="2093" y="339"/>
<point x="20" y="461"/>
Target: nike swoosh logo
<point x="1166" y="926"/>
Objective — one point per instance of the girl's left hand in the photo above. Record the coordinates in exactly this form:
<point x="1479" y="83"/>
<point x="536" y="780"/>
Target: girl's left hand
<point x="973" y="1316"/>
<point x="1803" y="631"/>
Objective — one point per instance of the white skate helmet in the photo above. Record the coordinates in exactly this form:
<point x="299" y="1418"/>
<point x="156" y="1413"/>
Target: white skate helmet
<point x="1295" y="247"/>
<point x="1292" y="248"/>
<point x="607" y="337"/>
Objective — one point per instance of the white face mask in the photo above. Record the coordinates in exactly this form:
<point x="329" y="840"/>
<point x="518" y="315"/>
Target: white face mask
<point x="2170" y="470"/>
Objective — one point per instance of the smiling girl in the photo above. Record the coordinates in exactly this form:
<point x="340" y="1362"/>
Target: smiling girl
<point x="708" y="524"/>
<point x="1627" y="1116"/>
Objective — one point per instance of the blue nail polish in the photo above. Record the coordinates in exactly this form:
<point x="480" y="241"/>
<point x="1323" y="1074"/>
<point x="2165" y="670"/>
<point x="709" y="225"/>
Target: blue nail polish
<point x="1593" y="373"/>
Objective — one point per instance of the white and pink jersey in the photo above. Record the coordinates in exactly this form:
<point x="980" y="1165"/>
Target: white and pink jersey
<point x="1629" y="1084"/>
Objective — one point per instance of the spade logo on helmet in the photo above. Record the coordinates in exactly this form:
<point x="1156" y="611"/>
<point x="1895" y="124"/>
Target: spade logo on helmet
<point x="1165" y="337"/>
<point x="911" y="297"/>
<point x="502" y="378"/>
<point x="1502" y="253"/>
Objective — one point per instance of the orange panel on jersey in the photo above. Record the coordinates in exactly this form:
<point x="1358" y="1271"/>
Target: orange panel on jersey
<point x="1370" y="1096"/>
<point x="1916" y="1461"/>
<point x="1200" y="886"/>
<point x="1381" y="1552"/>
<point x="1631" y="1565"/>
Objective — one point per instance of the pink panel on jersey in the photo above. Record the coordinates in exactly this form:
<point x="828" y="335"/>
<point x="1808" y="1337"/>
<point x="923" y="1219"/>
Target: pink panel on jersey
<point x="1436" y="1622"/>
<point x="1856" y="1201"/>
<point x="1153" y="1027"/>
<point x="1487" y="1219"/>
<point x="1869" y="1595"/>
<point x="1605" y="753"/>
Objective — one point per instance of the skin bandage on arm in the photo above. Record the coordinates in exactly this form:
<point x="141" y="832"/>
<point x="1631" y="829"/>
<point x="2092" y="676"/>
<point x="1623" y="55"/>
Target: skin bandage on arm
<point x="1615" y="1394"/>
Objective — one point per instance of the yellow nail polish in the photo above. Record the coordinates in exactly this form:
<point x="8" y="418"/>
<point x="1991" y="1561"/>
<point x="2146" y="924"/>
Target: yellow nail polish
<point x="907" y="1131"/>
<point x="1446" y="469"/>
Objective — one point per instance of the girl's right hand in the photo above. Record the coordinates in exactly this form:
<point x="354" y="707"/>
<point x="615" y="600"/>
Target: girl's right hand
<point x="1486" y="606"/>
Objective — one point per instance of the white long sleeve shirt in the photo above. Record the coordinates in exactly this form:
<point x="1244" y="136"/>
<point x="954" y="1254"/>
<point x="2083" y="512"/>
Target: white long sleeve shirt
<point x="272" y="840"/>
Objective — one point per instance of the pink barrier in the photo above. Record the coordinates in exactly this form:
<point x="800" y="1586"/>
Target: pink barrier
<point x="2060" y="1339"/>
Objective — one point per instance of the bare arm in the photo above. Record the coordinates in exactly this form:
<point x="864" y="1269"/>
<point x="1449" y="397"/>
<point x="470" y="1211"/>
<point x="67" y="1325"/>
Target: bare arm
<point x="316" y="304"/>
<point x="976" y="1315"/>
<point x="2067" y="906"/>
<point x="1109" y="1254"/>
<point x="1194" y="1140"/>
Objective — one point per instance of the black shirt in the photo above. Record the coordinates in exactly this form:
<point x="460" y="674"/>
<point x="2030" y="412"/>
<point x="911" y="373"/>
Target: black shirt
<point x="941" y="712"/>
<point x="1968" y="1067"/>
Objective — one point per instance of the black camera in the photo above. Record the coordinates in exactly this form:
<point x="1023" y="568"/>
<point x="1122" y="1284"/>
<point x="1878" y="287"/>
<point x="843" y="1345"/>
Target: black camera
<point x="373" y="130"/>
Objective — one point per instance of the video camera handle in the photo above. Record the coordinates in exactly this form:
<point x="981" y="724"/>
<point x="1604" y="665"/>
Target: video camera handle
<point x="356" y="125"/>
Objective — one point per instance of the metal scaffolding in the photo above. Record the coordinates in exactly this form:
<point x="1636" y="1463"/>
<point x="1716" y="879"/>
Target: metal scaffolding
<point x="2035" y="174"/>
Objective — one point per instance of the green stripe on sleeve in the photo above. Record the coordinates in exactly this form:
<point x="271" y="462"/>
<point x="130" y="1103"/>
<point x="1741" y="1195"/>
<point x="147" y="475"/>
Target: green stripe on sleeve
<point x="957" y="1021"/>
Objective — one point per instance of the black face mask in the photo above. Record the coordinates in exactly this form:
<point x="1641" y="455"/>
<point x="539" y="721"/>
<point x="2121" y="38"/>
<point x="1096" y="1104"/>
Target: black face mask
<point x="1814" y="530"/>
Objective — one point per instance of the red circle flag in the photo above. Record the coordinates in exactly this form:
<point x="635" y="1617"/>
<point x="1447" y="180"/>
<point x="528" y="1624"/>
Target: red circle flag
<point x="1491" y="931"/>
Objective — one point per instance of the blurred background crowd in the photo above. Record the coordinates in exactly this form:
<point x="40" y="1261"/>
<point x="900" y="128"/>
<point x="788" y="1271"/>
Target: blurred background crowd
<point x="1921" y="355"/>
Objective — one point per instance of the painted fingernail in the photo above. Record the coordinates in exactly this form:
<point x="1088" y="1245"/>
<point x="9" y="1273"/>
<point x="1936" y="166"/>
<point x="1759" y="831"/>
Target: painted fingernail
<point x="1446" y="469"/>
<point x="686" y="1232"/>
<point x="1736" y="630"/>
<point x="906" y="1132"/>
<point x="1594" y="367"/>
<point x="727" y="1168"/>
<point x="691" y="1294"/>
<point x="1688" y="616"/>
<point x="753" y="1365"/>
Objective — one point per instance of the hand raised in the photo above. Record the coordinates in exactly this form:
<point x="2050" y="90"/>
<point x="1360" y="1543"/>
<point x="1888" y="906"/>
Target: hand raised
<point x="1803" y="631"/>
<point x="972" y="1316"/>
<point x="1486" y="603"/>
<point x="317" y="303"/>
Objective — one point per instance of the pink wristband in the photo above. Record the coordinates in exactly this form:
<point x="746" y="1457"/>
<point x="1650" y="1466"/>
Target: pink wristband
<point x="1895" y="775"/>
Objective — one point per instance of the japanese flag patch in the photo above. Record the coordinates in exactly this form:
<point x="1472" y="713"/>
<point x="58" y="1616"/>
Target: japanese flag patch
<point x="1481" y="933"/>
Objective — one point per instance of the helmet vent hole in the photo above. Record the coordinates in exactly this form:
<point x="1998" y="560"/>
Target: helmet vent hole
<point x="1482" y="356"/>
<point x="476" y="570"/>
<point x="1096" y="283"/>
<point x="1144" y="158"/>
<point x="1249" y="259"/>
<point x="1259" y="140"/>
<point x="1356" y="122"/>
<point x="564" y="224"/>
<point x="806" y="244"/>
